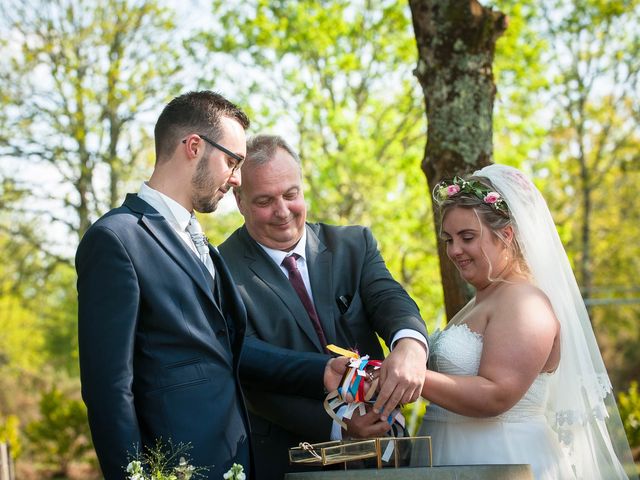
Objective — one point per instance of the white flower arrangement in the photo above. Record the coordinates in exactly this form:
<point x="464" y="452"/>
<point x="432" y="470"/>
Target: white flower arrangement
<point x="236" y="472"/>
<point x="164" y="462"/>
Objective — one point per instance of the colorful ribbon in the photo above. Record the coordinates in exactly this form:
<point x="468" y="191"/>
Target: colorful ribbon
<point x="353" y="384"/>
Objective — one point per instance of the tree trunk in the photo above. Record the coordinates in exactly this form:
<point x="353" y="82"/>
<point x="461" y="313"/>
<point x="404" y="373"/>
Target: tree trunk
<point x="586" y="186"/>
<point x="456" y="43"/>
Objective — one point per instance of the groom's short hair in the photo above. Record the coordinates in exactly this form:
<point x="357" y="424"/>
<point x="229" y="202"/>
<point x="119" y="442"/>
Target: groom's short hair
<point x="193" y="112"/>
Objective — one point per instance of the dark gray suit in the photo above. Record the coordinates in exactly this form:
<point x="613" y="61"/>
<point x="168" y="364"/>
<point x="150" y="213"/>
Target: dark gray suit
<point x="342" y="262"/>
<point x="160" y="344"/>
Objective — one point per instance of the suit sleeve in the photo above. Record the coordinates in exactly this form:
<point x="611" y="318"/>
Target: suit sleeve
<point x="286" y="387"/>
<point x="108" y="302"/>
<point x="267" y="367"/>
<point x="303" y="416"/>
<point x="388" y="306"/>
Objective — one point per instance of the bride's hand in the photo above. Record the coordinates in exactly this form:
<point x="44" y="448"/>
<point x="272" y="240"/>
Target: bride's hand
<point x="401" y="376"/>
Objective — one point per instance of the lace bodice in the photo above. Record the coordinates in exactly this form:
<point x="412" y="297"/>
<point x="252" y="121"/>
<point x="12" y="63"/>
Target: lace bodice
<point x="457" y="350"/>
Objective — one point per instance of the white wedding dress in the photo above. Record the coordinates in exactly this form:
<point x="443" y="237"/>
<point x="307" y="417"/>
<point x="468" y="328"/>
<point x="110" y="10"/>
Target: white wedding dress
<point x="520" y="435"/>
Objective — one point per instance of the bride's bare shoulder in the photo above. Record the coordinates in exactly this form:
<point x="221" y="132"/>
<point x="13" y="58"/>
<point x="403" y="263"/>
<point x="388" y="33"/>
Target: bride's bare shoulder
<point x="523" y="300"/>
<point x="525" y="291"/>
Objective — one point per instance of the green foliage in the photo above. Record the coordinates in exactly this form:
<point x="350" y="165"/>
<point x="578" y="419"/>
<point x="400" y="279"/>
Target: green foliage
<point x="57" y="307"/>
<point x="9" y="433"/>
<point x="22" y="339"/>
<point x="520" y="79"/>
<point x="61" y="435"/>
<point x="100" y="68"/>
<point x="629" y="405"/>
<point x="37" y="312"/>
<point x="335" y="80"/>
<point x="586" y="162"/>
<point x="220" y="225"/>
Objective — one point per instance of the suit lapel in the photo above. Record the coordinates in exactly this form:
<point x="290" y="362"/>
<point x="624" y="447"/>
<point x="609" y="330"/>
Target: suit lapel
<point x="271" y="275"/>
<point x="169" y="241"/>
<point x="236" y="322"/>
<point x="319" y="262"/>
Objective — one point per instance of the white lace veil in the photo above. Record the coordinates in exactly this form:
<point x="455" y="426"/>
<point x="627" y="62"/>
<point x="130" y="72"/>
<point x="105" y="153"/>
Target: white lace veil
<point x="581" y="407"/>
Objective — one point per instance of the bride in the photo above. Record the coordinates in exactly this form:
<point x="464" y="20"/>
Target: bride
<point x="516" y="376"/>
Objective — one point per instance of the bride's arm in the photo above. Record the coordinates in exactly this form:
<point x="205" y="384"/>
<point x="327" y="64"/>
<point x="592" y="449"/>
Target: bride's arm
<point x="517" y="343"/>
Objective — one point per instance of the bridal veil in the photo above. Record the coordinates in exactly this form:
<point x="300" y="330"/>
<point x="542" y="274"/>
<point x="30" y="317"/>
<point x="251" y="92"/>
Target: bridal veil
<point x="581" y="407"/>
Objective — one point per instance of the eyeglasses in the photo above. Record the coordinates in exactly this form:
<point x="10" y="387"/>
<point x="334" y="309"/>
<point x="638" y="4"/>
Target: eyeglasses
<point x="239" y="160"/>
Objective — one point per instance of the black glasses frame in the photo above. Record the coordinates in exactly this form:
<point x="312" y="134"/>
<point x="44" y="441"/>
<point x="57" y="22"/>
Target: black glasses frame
<point x="239" y="160"/>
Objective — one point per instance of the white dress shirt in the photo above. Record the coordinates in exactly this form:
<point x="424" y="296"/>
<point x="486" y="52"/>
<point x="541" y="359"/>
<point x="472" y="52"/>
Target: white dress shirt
<point x="174" y="213"/>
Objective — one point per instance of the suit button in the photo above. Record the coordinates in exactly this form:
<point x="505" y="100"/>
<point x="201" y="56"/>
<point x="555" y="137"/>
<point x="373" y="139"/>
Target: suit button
<point x="222" y="332"/>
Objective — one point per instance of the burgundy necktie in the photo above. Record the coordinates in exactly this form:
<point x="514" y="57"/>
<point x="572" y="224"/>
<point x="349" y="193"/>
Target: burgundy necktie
<point x="295" y="278"/>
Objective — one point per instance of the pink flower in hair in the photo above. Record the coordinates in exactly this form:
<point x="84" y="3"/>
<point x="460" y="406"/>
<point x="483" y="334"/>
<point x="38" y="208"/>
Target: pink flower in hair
<point x="491" y="197"/>
<point x="452" y="190"/>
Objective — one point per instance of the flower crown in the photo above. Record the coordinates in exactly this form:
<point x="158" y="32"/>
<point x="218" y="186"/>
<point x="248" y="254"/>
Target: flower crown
<point x="450" y="188"/>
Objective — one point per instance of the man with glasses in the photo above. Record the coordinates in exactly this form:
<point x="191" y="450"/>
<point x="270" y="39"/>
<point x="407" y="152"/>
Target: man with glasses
<point x="306" y="285"/>
<point x="161" y="325"/>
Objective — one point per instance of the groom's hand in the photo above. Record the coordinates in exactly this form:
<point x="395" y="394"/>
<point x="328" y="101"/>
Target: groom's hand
<point x="401" y="376"/>
<point x="365" y="426"/>
<point x="333" y="372"/>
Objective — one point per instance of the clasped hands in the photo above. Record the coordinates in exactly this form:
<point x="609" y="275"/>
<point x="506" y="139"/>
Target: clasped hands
<point x="400" y="381"/>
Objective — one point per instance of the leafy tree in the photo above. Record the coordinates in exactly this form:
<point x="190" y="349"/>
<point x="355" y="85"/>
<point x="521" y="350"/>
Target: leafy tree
<point x="21" y="340"/>
<point x="62" y="434"/>
<point x="594" y="94"/>
<point x="77" y="78"/>
<point x="590" y="161"/>
<point x="337" y="75"/>
<point x="9" y="434"/>
<point x="629" y="404"/>
<point x="456" y="45"/>
<point x="519" y="128"/>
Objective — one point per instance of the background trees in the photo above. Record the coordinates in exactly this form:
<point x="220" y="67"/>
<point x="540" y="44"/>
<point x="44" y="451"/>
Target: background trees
<point x="76" y="77"/>
<point x="82" y="84"/>
<point x="456" y="43"/>
<point x="591" y="156"/>
<point x="336" y="77"/>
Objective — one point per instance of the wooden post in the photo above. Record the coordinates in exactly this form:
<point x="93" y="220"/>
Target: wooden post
<point x="6" y="463"/>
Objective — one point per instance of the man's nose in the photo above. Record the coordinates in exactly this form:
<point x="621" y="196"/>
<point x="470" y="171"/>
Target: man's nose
<point x="235" y="180"/>
<point x="280" y="208"/>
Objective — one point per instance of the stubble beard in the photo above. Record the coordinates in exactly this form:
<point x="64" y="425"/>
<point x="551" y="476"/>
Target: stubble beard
<point x="204" y="192"/>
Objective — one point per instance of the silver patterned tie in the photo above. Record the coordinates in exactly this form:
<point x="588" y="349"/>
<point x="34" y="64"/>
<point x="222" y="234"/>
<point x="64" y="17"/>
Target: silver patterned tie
<point x="200" y="241"/>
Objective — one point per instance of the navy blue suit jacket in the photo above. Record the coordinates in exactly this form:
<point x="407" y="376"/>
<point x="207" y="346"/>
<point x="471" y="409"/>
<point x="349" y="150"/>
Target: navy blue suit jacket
<point x="160" y="346"/>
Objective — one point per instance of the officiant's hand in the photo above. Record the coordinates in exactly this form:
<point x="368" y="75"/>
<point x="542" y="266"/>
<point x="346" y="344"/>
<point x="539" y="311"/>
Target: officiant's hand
<point x="401" y="376"/>
<point x="365" y="426"/>
<point x="333" y="372"/>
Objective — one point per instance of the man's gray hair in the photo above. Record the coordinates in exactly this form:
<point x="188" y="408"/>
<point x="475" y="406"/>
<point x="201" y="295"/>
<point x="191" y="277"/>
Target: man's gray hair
<point x="262" y="148"/>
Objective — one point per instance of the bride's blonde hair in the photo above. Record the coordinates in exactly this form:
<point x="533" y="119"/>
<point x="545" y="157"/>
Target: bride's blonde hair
<point x="473" y="196"/>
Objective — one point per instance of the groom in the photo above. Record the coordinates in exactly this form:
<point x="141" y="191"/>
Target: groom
<point x="161" y="324"/>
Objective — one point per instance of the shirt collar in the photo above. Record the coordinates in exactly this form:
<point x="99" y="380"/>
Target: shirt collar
<point x="171" y="210"/>
<point x="278" y="255"/>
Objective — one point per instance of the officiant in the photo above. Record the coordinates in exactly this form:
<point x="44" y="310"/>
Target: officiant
<point x="306" y="285"/>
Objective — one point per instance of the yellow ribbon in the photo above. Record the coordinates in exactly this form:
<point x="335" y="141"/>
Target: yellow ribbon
<point x="342" y="351"/>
